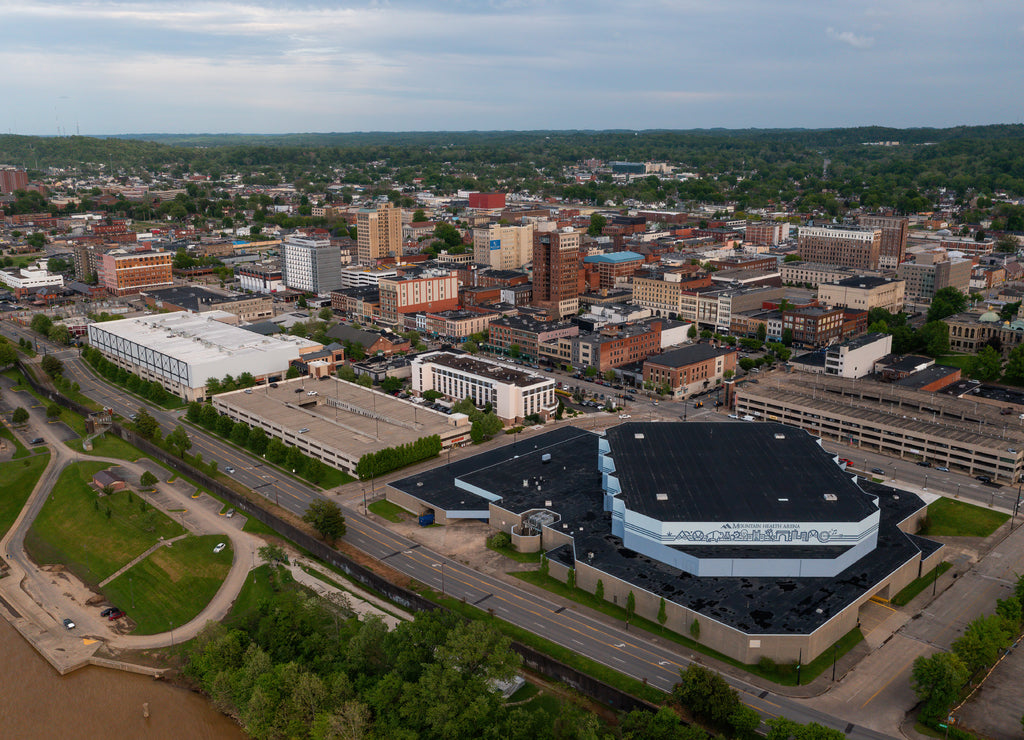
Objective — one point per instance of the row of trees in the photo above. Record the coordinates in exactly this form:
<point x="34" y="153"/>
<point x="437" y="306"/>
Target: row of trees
<point x="257" y="441"/>
<point x="484" y="423"/>
<point x="56" y="333"/>
<point x="150" y="390"/>
<point x="373" y="464"/>
<point x="940" y="679"/>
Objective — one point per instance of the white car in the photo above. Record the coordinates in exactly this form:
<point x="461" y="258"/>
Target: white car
<point x="220" y="546"/>
<point x="625" y="416"/>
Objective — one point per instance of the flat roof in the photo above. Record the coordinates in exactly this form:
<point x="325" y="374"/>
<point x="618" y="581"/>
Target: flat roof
<point x="734" y="473"/>
<point x="928" y="376"/>
<point x="344" y="416"/>
<point x="689" y="355"/>
<point x="486" y="369"/>
<point x="195" y="338"/>
<point x="614" y="257"/>
<point x="865" y="282"/>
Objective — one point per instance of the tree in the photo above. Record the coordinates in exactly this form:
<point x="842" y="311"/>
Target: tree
<point x="706" y="695"/>
<point x="325" y="314"/>
<point x="986" y="365"/>
<point x="41" y="324"/>
<point x="981" y="642"/>
<point x="146" y="425"/>
<point x="1014" y="371"/>
<point x="52" y="366"/>
<point x="1006" y="244"/>
<point x="179" y="440"/>
<point x="695" y="629"/>
<point x="471" y="347"/>
<point x="293" y="372"/>
<point x="8" y="355"/>
<point x="692" y="331"/>
<point x="937" y="681"/>
<point x="53" y="411"/>
<point x="762" y="332"/>
<point x="514" y="351"/>
<point x="448" y="234"/>
<point x="791" y="258"/>
<point x="609" y="375"/>
<point x="147" y="479"/>
<point x="273" y="555"/>
<point x="947" y="301"/>
<point x="419" y="216"/>
<point x="391" y="384"/>
<point x="590" y="372"/>
<point x="365" y="380"/>
<point x="597" y="223"/>
<point x="787" y="337"/>
<point x="934" y="338"/>
<point x="630" y="605"/>
<point x="59" y="334"/>
<point x="20" y="416"/>
<point x="326" y="518"/>
<point x="662" y="614"/>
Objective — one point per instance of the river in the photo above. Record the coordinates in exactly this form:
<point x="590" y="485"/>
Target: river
<point x="38" y="704"/>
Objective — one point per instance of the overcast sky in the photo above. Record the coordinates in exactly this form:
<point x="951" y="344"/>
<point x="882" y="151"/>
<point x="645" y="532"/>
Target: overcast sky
<point x="274" y="67"/>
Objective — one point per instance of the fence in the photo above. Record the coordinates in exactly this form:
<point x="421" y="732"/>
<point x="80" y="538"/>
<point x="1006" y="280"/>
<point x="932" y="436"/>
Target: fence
<point x="532" y="659"/>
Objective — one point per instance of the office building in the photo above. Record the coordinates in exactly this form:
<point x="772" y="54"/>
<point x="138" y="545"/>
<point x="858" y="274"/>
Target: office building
<point x="311" y="265"/>
<point x="767" y="233"/>
<point x="924" y="278"/>
<point x="613" y="267"/>
<point x="378" y="233"/>
<point x="503" y="247"/>
<point x="851" y="246"/>
<point x="856" y="358"/>
<point x="127" y="270"/>
<point x="556" y="259"/>
<point x="893" y="247"/>
<point x="512" y="392"/>
<point x="430" y="290"/>
<point x="864" y="293"/>
<point x="689" y="370"/>
<point x="11" y="179"/>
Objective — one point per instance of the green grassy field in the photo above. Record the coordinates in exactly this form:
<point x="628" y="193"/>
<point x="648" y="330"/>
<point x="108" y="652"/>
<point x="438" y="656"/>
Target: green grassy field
<point x="950" y="518"/>
<point x="960" y="361"/>
<point x="915" y="587"/>
<point x="17" y="479"/>
<point x="172" y="585"/>
<point x="73" y="527"/>
<point x="387" y="510"/>
<point x="513" y="554"/>
<point x="19" y="448"/>
<point x="108" y="445"/>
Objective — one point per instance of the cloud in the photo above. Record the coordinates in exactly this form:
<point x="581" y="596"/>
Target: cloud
<point x="849" y="37"/>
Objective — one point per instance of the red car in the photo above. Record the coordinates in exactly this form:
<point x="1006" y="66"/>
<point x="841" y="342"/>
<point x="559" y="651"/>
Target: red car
<point x="115" y="615"/>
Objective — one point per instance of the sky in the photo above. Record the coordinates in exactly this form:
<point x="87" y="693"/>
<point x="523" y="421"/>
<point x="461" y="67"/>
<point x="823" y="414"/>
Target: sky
<point x="229" y="66"/>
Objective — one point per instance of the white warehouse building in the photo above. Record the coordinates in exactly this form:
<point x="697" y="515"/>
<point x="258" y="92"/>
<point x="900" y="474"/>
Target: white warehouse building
<point x="182" y="350"/>
<point x="514" y="394"/>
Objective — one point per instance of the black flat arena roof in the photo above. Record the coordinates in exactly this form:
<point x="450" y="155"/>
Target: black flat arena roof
<point x="713" y="472"/>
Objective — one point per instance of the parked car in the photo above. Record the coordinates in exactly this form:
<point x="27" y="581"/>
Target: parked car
<point x="273" y="385"/>
<point x="879" y="471"/>
<point x="924" y="463"/>
<point x="984" y="478"/>
<point x="108" y="611"/>
<point x="942" y="469"/>
<point x="229" y="513"/>
<point x="625" y="416"/>
<point x="299" y="390"/>
<point x="115" y="615"/>
<point x="68" y="624"/>
<point x="219" y="548"/>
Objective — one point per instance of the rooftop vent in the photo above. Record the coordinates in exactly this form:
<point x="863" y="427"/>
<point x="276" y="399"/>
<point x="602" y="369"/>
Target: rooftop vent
<point x="779" y="435"/>
<point x="661" y="496"/>
<point x="785" y="500"/>
<point x="547" y="504"/>
<point x="831" y="497"/>
<point x="638" y="435"/>
<point x="546" y="457"/>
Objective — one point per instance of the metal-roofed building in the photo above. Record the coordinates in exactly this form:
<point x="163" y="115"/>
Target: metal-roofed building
<point x="513" y="393"/>
<point x="182" y="350"/>
<point x="774" y="558"/>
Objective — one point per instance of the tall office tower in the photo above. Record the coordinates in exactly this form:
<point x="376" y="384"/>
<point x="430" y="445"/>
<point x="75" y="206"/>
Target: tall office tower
<point x="378" y="233"/>
<point x="503" y="247"/>
<point x="11" y="179"/>
<point x="556" y="263"/>
<point x="311" y="265"/>
<point x="894" y="237"/>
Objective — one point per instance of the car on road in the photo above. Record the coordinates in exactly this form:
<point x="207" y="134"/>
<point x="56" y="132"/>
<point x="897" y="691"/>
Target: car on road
<point x="36" y="441"/>
<point x="984" y="478"/>
<point x="108" y="611"/>
<point x="299" y="390"/>
<point x="625" y="416"/>
<point x="942" y="469"/>
<point x="303" y="430"/>
<point x="879" y="471"/>
<point x="115" y="615"/>
<point x="924" y="463"/>
<point x="68" y="624"/>
<point x="273" y="385"/>
<point x="220" y="546"/>
<point x="249" y="391"/>
<point x="229" y="469"/>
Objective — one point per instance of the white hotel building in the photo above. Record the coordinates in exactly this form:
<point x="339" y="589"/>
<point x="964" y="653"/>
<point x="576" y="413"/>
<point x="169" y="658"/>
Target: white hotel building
<point x="514" y="394"/>
<point x="182" y="350"/>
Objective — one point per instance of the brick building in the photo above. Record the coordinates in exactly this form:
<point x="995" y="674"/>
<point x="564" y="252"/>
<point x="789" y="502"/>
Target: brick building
<point x="427" y="291"/>
<point x="865" y="293"/>
<point x="893" y="247"/>
<point x="814" y="326"/>
<point x="527" y="334"/>
<point x="556" y="258"/>
<point x="611" y="267"/>
<point x="378" y="233"/>
<point x="690" y="370"/>
<point x="11" y="179"/>
<point x="767" y="233"/>
<point x="124" y="271"/>
<point x="841" y="245"/>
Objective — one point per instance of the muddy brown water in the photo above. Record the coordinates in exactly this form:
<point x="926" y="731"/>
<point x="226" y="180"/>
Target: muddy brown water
<point x="37" y="703"/>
